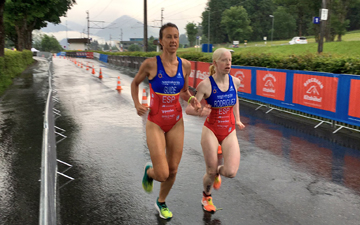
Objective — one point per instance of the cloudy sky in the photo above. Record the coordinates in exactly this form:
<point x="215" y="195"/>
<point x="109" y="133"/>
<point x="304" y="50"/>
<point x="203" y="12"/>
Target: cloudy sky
<point x="179" y="12"/>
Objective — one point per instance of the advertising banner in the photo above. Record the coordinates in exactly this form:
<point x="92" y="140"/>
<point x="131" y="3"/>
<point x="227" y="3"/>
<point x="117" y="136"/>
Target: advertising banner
<point x="354" y="106"/>
<point x="81" y="54"/>
<point x="315" y="91"/>
<point x="202" y="72"/>
<point x="89" y="55"/>
<point x="271" y="84"/>
<point x="245" y="79"/>
<point x="192" y="74"/>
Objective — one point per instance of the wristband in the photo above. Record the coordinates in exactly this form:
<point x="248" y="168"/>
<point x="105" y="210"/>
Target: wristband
<point x="191" y="97"/>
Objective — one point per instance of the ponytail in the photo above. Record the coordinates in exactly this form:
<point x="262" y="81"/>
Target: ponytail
<point x="212" y="70"/>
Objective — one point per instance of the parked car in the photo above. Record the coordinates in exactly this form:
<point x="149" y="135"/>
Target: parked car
<point x="298" y="40"/>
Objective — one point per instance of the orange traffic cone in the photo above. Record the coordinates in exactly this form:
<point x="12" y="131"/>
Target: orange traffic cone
<point x="87" y="66"/>
<point x="100" y="74"/>
<point x="93" y="71"/>
<point x="219" y="150"/>
<point x="81" y="65"/>
<point x="118" y="87"/>
<point x="144" y="98"/>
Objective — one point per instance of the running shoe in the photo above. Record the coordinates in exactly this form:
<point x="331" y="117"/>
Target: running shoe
<point x="163" y="210"/>
<point x="217" y="182"/>
<point x="208" y="204"/>
<point x="147" y="182"/>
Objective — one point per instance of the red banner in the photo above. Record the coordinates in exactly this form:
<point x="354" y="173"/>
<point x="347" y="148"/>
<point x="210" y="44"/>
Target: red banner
<point x="192" y="74"/>
<point x="202" y="72"/>
<point x="271" y="84"/>
<point x="245" y="77"/>
<point x="354" y="107"/>
<point x="90" y="55"/>
<point x="315" y="91"/>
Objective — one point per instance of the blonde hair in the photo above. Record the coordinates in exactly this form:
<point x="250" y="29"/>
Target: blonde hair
<point x="215" y="57"/>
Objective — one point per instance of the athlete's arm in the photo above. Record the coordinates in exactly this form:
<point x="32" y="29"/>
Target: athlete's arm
<point x="201" y="92"/>
<point x="143" y="72"/>
<point x="185" y="93"/>
<point x="238" y="122"/>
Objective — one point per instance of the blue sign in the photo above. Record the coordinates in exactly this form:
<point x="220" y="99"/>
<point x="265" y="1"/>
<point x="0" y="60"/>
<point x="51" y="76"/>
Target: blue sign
<point x="316" y="20"/>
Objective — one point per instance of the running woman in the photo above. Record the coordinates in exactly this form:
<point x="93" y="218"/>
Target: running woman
<point x="219" y="91"/>
<point x="168" y="81"/>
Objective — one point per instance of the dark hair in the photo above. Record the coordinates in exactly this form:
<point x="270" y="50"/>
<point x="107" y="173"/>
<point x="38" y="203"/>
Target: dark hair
<point x="166" y="25"/>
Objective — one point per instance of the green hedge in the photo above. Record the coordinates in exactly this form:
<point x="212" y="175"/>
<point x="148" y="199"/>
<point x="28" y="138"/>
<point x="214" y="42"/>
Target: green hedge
<point x="12" y="65"/>
<point x="310" y="62"/>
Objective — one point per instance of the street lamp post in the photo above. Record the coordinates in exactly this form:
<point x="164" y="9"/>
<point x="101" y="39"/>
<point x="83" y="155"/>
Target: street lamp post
<point x="272" y="27"/>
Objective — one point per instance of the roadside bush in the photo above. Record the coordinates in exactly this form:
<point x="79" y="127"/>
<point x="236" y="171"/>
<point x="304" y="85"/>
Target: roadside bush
<point x="13" y="64"/>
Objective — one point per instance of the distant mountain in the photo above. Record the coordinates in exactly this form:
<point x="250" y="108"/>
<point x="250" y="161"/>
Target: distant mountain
<point x="128" y="26"/>
<point x="69" y="26"/>
<point x="52" y="28"/>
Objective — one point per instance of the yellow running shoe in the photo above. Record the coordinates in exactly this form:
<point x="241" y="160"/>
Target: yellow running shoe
<point x="217" y="182"/>
<point x="163" y="210"/>
<point x="208" y="204"/>
<point x="147" y="182"/>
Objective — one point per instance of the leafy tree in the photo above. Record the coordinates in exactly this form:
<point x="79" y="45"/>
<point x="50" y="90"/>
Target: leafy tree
<point x="106" y="46"/>
<point x="151" y="46"/>
<point x="217" y="31"/>
<point x="50" y="44"/>
<point x="284" y="24"/>
<point x="183" y="39"/>
<point x="340" y="10"/>
<point x="303" y="11"/>
<point x="191" y="31"/>
<point x="24" y="16"/>
<point x="94" y="45"/>
<point x="134" y="48"/>
<point x="2" y="28"/>
<point x="259" y="11"/>
<point x="236" y="23"/>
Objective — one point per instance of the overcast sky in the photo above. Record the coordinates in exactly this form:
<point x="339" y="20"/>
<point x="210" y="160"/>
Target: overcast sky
<point x="179" y="12"/>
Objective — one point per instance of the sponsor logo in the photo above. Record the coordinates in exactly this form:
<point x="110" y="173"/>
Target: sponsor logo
<point x="160" y="75"/>
<point x="269" y="86"/>
<point x="177" y="118"/>
<point x="312" y="93"/>
<point x="214" y="91"/>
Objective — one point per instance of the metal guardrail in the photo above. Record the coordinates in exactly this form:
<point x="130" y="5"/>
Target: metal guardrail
<point x="49" y="169"/>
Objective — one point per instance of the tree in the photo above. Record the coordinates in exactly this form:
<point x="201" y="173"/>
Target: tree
<point x="236" y="23"/>
<point x="134" y="48"/>
<point x="50" y="44"/>
<point x="285" y="24"/>
<point x="106" y="46"/>
<point x="25" y="16"/>
<point x="259" y="11"/>
<point x="2" y="28"/>
<point x="151" y="46"/>
<point x="183" y="39"/>
<point x="191" y="31"/>
<point x="340" y="10"/>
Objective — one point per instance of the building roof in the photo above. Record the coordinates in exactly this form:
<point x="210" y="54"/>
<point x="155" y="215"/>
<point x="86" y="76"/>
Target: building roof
<point x="78" y="40"/>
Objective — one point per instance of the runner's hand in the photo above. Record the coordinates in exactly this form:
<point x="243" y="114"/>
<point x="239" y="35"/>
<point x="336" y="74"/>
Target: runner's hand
<point x="240" y="125"/>
<point x="141" y="110"/>
<point x="205" y="111"/>
<point x="195" y="104"/>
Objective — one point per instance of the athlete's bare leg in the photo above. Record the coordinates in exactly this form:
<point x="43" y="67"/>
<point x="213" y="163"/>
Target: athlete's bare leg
<point x="165" y="162"/>
<point x="209" y="144"/>
<point x="231" y="154"/>
<point x="174" y="149"/>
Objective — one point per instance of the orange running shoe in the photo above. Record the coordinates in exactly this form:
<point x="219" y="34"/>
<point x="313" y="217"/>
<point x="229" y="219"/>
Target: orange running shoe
<point x="208" y="204"/>
<point x="217" y="182"/>
<point x="219" y="150"/>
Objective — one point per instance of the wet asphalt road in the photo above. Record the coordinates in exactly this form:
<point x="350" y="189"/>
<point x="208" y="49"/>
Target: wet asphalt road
<point x="286" y="176"/>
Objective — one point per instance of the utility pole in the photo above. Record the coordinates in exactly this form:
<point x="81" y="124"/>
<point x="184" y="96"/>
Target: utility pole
<point x="145" y="27"/>
<point x="88" y="27"/>
<point x="209" y="31"/>
<point x="162" y="17"/>
<point x="322" y="26"/>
